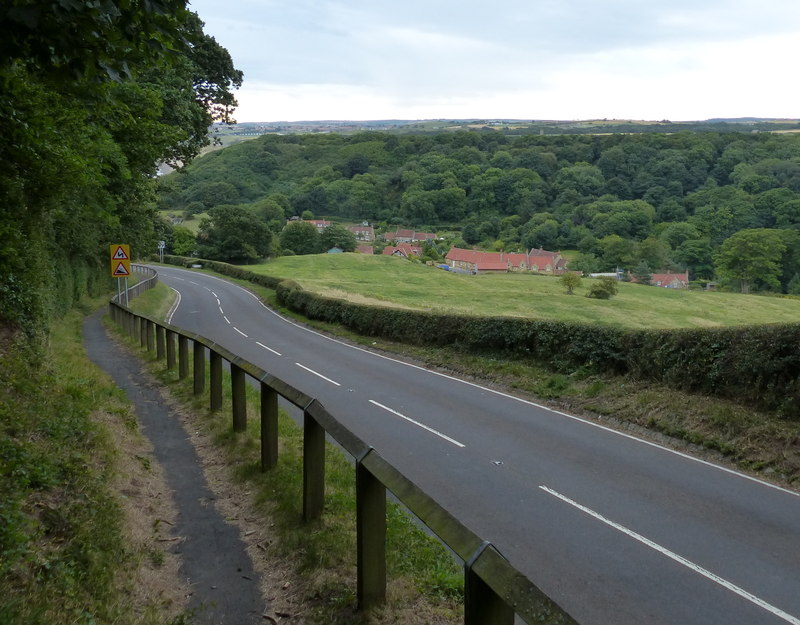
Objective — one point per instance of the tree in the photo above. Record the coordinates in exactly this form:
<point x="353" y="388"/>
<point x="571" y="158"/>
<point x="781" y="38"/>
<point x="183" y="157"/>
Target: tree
<point x="616" y="252"/>
<point x="470" y="233"/>
<point x="586" y="263"/>
<point x="751" y="255"/>
<point x="183" y="241"/>
<point x="300" y="237"/>
<point x="603" y="288"/>
<point x="93" y="96"/>
<point x="233" y="234"/>
<point x="793" y="287"/>
<point x="337" y="235"/>
<point x="571" y="281"/>
<point x="696" y="255"/>
<point x="655" y="253"/>
<point x="642" y="273"/>
<point x="269" y="211"/>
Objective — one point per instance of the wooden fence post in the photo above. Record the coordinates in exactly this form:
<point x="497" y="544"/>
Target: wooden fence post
<point x="142" y="331"/>
<point x="160" y="343"/>
<point x="482" y="605"/>
<point x="370" y="537"/>
<point x="171" y="358"/>
<point x="151" y="335"/>
<point x="183" y="356"/>
<point x="199" y="368"/>
<point x="269" y="427"/>
<point x="313" y="467"/>
<point x="238" y="399"/>
<point x="216" y="381"/>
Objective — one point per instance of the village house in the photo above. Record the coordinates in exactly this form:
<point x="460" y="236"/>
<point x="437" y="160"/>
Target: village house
<point x="405" y="250"/>
<point x="364" y="232"/>
<point x="365" y="249"/>
<point x="666" y="280"/>
<point x="539" y="261"/>
<point x="409" y="236"/>
<point x="319" y="224"/>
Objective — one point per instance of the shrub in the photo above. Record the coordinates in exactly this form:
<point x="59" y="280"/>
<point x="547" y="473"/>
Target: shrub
<point x="603" y="288"/>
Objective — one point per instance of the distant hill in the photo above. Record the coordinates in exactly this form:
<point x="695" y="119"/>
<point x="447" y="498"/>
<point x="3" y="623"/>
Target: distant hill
<point x="509" y="126"/>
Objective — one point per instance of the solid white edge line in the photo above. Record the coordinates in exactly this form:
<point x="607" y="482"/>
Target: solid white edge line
<point x="240" y="332"/>
<point x="518" y="399"/>
<point x="174" y="306"/>
<point x="418" y="424"/>
<point x="268" y="349"/>
<point x="679" y="559"/>
<point x="317" y="374"/>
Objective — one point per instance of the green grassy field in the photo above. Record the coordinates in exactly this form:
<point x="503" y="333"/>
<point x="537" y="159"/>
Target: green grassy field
<point x="193" y="223"/>
<point x="390" y="281"/>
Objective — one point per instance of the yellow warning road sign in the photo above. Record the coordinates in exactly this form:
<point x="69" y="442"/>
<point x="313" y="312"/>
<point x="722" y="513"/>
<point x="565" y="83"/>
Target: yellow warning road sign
<point x="121" y="271"/>
<point x="120" y="260"/>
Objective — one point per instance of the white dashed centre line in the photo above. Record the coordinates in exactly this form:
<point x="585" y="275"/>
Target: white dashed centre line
<point x="317" y="374"/>
<point x="240" y="332"/>
<point x="680" y="559"/>
<point x="418" y="424"/>
<point x="269" y="349"/>
<point x="226" y="319"/>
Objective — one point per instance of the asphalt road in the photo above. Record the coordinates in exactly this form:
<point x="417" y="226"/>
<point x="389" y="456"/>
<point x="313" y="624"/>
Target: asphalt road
<point x="615" y="529"/>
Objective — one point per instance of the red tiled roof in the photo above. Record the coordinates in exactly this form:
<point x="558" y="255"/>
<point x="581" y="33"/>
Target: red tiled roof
<point x="365" y="249"/>
<point x="668" y="278"/>
<point x="469" y="256"/>
<point x="516" y="259"/>
<point x="405" y="248"/>
<point x="490" y="264"/>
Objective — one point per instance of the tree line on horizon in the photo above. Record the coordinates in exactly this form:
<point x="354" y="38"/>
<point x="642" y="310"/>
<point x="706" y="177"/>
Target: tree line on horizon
<point x="725" y="206"/>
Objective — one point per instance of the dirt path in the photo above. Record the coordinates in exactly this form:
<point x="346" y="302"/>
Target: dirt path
<point x="224" y="588"/>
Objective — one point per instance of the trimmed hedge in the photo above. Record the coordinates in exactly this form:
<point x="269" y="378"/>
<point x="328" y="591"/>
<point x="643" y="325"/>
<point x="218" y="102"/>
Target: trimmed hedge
<point x="759" y="365"/>
<point x="756" y="364"/>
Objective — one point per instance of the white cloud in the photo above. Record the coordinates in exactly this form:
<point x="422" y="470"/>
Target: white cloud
<point x="354" y="59"/>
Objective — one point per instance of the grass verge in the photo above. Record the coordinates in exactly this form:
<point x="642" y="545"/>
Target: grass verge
<point x="64" y="554"/>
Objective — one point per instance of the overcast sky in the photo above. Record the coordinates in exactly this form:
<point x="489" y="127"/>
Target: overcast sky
<point x="534" y="59"/>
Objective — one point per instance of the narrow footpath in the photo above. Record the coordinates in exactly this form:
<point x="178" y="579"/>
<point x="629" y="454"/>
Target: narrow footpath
<point x="225" y="588"/>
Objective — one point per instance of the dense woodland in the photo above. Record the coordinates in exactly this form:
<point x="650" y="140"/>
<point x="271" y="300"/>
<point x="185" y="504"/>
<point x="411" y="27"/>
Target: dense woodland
<point x="93" y="96"/>
<point x="724" y="205"/>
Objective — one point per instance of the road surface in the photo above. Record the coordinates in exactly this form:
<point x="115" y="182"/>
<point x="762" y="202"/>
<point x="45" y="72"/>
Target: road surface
<point x="615" y="529"/>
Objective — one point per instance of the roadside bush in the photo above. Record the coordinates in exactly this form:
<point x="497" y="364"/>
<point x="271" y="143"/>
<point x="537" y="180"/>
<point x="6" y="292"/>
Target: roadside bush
<point x="603" y="288"/>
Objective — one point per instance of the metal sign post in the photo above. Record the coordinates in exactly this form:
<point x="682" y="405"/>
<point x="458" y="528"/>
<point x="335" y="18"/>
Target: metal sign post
<point x="121" y="266"/>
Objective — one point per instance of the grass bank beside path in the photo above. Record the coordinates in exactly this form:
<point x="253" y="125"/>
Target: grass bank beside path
<point x="78" y="494"/>
<point x="759" y="442"/>
<point x="392" y="281"/>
